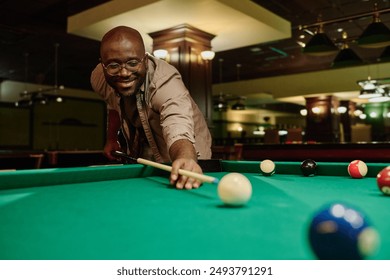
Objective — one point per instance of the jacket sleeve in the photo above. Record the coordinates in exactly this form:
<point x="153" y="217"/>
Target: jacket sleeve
<point x="171" y="99"/>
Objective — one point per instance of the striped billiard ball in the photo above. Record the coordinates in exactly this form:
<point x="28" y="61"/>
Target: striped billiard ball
<point x="383" y="180"/>
<point x="357" y="169"/>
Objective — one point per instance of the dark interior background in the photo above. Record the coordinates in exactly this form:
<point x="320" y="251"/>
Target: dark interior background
<point x="30" y="30"/>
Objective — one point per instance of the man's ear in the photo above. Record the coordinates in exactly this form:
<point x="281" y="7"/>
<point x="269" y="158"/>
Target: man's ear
<point x="146" y="62"/>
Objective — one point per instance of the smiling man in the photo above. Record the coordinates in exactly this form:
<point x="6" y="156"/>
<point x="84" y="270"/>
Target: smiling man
<point x="147" y="100"/>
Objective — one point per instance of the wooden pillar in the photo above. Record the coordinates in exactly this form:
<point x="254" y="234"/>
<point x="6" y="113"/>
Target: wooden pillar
<point x="347" y="118"/>
<point x="322" y="120"/>
<point x="184" y="44"/>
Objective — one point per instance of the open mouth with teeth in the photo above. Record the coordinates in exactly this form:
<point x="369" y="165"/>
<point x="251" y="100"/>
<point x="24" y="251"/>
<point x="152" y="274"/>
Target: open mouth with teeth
<point x="126" y="84"/>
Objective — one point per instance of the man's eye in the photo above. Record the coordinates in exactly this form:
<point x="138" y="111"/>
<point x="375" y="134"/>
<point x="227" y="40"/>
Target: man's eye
<point x="113" y="66"/>
<point x="132" y="63"/>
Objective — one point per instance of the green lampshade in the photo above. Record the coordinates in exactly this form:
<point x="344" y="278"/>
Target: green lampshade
<point x="346" y="57"/>
<point x="238" y="106"/>
<point x="320" y="45"/>
<point x="376" y="35"/>
<point x="220" y="106"/>
<point x="385" y="56"/>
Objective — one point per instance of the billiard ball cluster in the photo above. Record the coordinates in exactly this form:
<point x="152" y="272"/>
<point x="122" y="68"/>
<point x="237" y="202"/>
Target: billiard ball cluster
<point x="337" y="231"/>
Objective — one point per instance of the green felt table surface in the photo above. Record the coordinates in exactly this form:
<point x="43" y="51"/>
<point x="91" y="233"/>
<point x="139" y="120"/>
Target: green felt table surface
<point x="131" y="212"/>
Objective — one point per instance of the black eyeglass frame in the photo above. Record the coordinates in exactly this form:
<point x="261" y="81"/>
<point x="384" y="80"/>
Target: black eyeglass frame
<point x="134" y="69"/>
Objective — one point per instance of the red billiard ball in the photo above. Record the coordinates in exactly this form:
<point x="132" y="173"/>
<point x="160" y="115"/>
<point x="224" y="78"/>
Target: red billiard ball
<point x="357" y="169"/>
<point x="383" y="180"/>
<point x="308" y="167"/>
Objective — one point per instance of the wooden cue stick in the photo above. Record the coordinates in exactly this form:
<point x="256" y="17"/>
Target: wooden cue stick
<point x="197" y="176"/>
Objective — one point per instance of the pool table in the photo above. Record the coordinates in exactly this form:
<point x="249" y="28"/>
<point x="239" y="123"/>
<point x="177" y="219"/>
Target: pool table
<point x="130" y="212"/>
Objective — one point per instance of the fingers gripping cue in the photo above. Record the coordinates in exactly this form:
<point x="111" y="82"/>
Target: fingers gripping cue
<point x="197" y="176"/>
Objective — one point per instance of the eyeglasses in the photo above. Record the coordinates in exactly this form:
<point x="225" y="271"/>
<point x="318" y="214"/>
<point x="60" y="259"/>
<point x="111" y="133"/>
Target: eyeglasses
<point x="114" y="68"/>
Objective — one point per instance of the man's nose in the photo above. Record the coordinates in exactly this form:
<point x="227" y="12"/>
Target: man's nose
<point x="124" y="72"/>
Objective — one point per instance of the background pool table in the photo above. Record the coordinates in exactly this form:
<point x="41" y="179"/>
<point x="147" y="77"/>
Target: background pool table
<point x="131" y="212"/>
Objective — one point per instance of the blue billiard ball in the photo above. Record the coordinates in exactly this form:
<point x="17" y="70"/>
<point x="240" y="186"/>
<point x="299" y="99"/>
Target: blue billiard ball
<point x="340" y="232"/>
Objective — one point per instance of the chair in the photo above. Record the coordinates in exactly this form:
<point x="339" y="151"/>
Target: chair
<point x="360" y="133"/>
<point x="271" y="136"/>
<point x="294" y="135"/>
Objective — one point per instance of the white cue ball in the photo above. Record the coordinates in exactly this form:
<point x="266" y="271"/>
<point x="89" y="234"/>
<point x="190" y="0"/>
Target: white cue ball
<point x="234" y="189"/>
<point x="267" y="167"/>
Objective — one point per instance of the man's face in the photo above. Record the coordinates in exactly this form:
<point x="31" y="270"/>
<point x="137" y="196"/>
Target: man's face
<point x="125" y="64"/>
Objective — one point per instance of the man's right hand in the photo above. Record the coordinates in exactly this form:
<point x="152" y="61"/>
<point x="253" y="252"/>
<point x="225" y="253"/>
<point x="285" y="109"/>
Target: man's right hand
<point x="111" y="146"/>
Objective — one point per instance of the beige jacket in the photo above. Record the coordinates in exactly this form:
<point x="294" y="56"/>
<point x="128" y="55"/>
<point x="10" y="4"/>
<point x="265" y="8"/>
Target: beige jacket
<point x="166" y="109"/>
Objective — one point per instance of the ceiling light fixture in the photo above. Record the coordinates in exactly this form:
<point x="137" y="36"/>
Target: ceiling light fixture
<point x="239" y="105"/>
<point x="376" y="90"/>
<point x="385" y="55"/>
<point x="42" y="96"/>
<point x="342" y="109"/>
<point x="383" y="97"/>
<point x="379" y="99"/>
<point x="220" y="105"/>
<point x="207" y="55"/>
<point x="346" y="57"/>
<point x="320" y="44"/>
<point x="368" y="84"/>
<point x="376" y="35"/>
<point x="303" y="112"/>
<point x="370" y="93"/>
<point x="160" y="53"/>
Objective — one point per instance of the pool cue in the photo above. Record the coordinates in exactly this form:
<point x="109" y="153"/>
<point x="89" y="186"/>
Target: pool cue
<point x="197" y="176"/>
